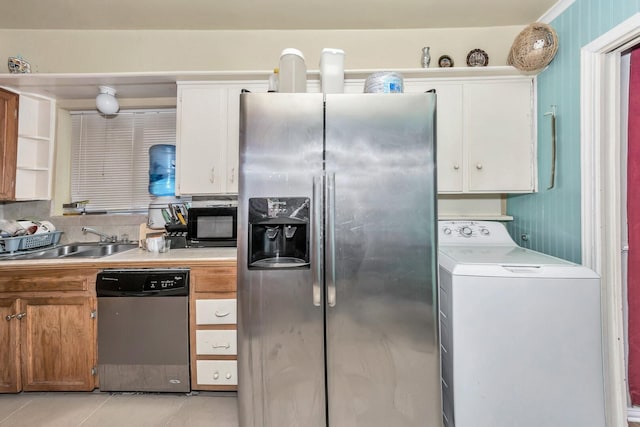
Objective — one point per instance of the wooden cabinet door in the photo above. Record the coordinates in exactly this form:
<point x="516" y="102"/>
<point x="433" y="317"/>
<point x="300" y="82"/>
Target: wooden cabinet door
<point x="58" y="343"/>
<point x="8" y="143"/>
<point x="9" y="346"/>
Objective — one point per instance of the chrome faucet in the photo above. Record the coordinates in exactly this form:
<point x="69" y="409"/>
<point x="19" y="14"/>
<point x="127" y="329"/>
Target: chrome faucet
<point x="103" y="237"/>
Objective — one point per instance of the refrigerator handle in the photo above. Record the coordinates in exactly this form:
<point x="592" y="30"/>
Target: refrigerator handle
<point x="331" y="239"/>
<point x="316" y="240"/>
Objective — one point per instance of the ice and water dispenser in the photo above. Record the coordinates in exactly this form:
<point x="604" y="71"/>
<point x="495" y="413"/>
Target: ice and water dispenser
<point x="279" y="230"/>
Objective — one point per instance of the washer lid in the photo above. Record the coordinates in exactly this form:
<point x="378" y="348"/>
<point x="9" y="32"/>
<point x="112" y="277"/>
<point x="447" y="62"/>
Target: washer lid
<point x="500" y="255"/>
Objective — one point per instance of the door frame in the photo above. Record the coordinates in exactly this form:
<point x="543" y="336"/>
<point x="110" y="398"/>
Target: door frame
<point x="601" y="202"/>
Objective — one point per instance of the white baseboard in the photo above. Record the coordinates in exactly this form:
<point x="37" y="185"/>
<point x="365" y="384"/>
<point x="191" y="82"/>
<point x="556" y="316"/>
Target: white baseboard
<point x="633" y="414"/>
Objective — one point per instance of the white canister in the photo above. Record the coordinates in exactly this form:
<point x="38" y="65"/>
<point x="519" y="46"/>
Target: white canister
<point x="157" y="219"/>
<point x="332" y="70"/>
<point x="293" y="72"/>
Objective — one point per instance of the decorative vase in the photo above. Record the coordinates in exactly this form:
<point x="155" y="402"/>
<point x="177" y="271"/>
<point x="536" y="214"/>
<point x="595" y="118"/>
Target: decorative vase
<point x="426" y="57"/>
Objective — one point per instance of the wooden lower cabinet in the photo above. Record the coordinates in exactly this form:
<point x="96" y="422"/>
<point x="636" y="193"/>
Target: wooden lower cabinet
<point x="48" y="341"/>
<point x="213" y="328"/>
<point x="58" y="343"/>
<point x="9" y="347"/>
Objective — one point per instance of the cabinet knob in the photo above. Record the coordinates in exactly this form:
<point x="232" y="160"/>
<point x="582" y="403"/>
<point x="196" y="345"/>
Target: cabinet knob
<point x="216" y="375"/>
<point x="478" y="166"/>
<point x="456" y="166"/>
<point x="228" y="376"/>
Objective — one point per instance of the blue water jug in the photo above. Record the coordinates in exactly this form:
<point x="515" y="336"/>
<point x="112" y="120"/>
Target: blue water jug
<point x="162" y="170"/>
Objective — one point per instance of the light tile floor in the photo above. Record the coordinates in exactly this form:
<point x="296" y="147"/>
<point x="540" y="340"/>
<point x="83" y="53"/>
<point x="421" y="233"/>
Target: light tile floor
<point x="121" y="409"/>
<point x="118" y="409"/>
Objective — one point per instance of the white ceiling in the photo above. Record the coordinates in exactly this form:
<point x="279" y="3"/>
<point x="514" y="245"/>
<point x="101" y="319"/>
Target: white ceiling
<point x="266" y="14"/>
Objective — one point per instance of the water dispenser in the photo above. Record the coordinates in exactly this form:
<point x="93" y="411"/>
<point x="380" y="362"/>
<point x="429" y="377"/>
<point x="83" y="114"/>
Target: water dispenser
<point x="162" y="170"/>
<point x="279" y="232"/>
<point x="162" y="183"/>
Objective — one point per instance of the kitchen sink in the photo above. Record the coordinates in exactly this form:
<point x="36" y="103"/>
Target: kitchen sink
<point x="75" y="250"/>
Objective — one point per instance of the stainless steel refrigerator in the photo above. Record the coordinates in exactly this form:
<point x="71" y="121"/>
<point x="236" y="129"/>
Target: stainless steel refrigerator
<point x="337" y="296"/>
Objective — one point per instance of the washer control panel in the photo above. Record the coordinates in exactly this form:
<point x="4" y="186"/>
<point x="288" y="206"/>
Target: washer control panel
<point x="473" y="233"/>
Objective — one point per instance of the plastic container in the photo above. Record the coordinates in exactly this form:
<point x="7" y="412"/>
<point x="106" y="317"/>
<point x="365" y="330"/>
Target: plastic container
<point x="21" y="243"/>
<point x="162" y="170"/>
<point x="332" y="70"/>
<point x="293" y="72"/>
<point x="384" y="82"/>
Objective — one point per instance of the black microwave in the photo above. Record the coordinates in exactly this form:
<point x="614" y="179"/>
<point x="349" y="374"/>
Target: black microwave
<point x="212" y="226"/>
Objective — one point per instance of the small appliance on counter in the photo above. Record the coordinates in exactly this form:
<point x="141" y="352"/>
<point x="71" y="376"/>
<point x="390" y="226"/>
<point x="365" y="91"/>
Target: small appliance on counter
<point x="212" y="226"/>
<point x="206" y="225"/>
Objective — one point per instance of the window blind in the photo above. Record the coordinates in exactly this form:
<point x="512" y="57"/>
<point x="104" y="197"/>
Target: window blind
<point x="110" y="157"/>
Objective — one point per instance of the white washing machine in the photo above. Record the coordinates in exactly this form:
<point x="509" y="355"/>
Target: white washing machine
<point x="520" y="333"/>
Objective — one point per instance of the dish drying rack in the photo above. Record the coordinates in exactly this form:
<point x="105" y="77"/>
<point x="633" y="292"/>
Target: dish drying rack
<point x="20" y="243"/>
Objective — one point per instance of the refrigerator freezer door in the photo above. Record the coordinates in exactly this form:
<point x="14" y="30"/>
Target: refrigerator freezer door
<point x="383" y="364"/>
<point x="280" y="320"/>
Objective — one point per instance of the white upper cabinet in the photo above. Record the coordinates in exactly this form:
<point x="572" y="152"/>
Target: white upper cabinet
<point x="233" y="128"/>
<point x="201" y="139"/>
<point x="36" y="130"/>
<point x="207" y="134"/>
<point x="485" y="128"/>
<point x="499" y="137"/>
<point x="485" y="134"/>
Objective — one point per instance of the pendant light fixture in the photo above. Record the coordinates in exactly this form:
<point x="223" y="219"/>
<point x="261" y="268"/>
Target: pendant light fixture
<point x="106" y="101"/>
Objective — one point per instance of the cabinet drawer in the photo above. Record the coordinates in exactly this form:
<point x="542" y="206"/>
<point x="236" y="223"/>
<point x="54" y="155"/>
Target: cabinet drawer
<point x="214" y="279"/>
<point x="215" y="311"/>
<point x="217" y="372"/>
<point x="216" y="342"/>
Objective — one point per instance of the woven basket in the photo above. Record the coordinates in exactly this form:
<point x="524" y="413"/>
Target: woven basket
<point x="534" y="48"/>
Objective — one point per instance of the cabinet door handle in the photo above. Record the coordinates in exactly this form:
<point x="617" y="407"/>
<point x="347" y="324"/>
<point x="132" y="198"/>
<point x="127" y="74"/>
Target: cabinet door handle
<point x="10" y="316"/>
<point x="19" y="316"/>
<point x="227" y="345"/>
<point x="478" y="166"/>
<point x="212" y="177"/>
<point x="233" y="175"/>
<point x="218" y="314"/>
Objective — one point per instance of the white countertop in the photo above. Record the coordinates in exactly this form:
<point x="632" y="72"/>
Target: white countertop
<point x="136" y="256"/>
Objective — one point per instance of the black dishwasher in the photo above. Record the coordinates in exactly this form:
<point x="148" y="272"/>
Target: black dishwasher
<point x="143" y="329"/>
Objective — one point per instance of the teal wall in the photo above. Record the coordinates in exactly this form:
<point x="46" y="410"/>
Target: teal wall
<point x="551" y="218"/>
